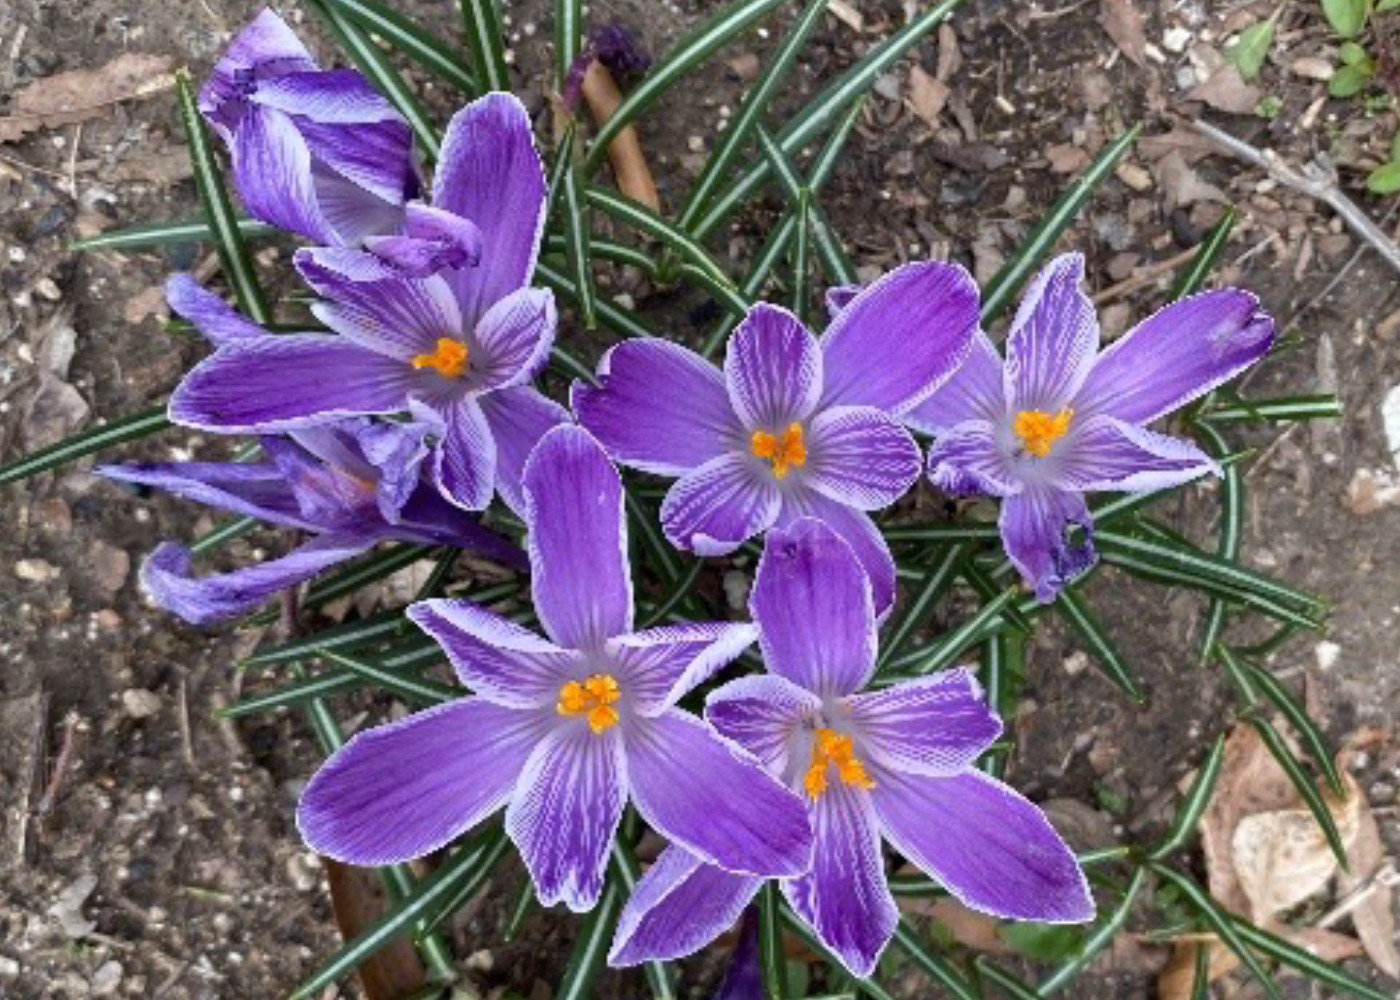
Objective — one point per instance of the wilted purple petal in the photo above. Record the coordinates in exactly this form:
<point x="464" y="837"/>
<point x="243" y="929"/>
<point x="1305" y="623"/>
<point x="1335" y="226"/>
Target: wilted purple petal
<point x="990" y="848"/>
<point x="968" y="460"/>
<point x="512" y="340"/>
<point x="166" y="576"/>
<point x="900" y="338"/>
<point x="403" y="790"/>
<point x="659" y="666"/>
<point x="395" y="451"/>
<point x="658" y="407"/>
<point x="565" y="810"/>
<point x="1035" y="528"/>
<point x="431" y="241"/>
<point x="813" y="602"/>
<point x="490" y="173"/>
<point x="577" y="540"/>
<point x="1177" y="354"/>
<point x="860" y="457"/>
<point x="937" y="725"/>
<point x="761" y="712"/>
<point x="857" y="530"/>
<point x="713" y="798"/>
<point x="1110" y="454"/>
<point x="838" y="297"/>
<point x="252" y="489"/>
<point x="1053" y="339"/>
<point x="264" y="46"/>
<point x="772" y="369"/>
<point x="845" y="897"/>
<point x="286" y="382"/>
<point x="272" y="170"/>
<point x="975" y="392"/>
<point x="519" y="418"/>
<point x="714" y="509"/>
<point x="679" y="906"/>
<point x="503" y="662"/>
<point x="219" y="322"/>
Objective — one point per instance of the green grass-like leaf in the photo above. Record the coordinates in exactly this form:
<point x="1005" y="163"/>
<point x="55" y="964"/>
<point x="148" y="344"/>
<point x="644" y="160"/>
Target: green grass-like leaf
<point x="486" y="41"/>
<point x="363" y="572"/>
<point x="906" y="939"/>
<point x="579" y="255"/>
<point x="1311" y="797"/>
<point x="568" y="37"/>
<point x="1308" y="730"/>
<point x="1305" y="962"/>
<point x="772" y="961"/>
<point x="1193" y="804"/>
<point x="1072" y="608"/>
<point x="412" y="657"/>
<point x="1312" y="407"/>
<point x="942" y="653"/>
<point x="660" y="976"/>
<point x="940" y="576"/>
<point x="610" y="314"/>
<point x="412" y="689"/>
<point x="1014" y="987"/>
<point x="131" y="428"/>
<point x="378" y="628"/>
<point x="1231" y="531"/>
<point x="869" y="987"/>
<point x="639" y="217"/>
<point x="226" y="532"/>
<point x="595" y="930"/>
<point x="1098" y="939"/>
<point x="405" y="37"/>
<point x="150" y="235"/>
<point x="1193" y="277"/>
<point x="1218" y="920"/>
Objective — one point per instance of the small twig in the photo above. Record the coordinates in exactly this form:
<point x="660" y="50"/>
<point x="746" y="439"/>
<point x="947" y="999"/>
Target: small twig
<point x="60" y="765"/>
<point x="1337" y="279"/>
<point x="1144" y="275"/>
<point x="1268" y="453"/>
<point x="1384" y="877"/>
<point x="38" y="737"/>
<point x="186" y="734"/>
<point x="1314" y="181"/>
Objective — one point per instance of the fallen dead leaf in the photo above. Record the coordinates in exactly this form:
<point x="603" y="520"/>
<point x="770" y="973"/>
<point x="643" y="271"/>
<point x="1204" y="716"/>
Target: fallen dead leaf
<point x="55" y="410"/>
<point x="1123" y="22"/>
<point x="77" y="95"/>
<point x="927" y="95"/>
<point x="1189" y="143"/>
<point x="1066" y="158"/>
<point x="1227" y="91"/>
<point x="1177" y="978"/>
<point x="846" y="12"/>
<point x="1371" y="490"/>
<point x="1374" y="919"/>
<point x="1181" y="185"/>
<point x="625" y="154"/>
<point x="949" y="55"/>
<point x="357" y="901"/>
<point x="147" y="302"/>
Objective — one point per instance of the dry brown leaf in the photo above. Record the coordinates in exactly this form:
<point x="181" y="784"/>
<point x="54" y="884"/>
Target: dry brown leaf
<point x="625" y="154"/>
<point x="1176" y="979"/>
<point x="1373" y="919"/>
<point x="1326" y="945"/>
<point x="1123" y="22"/>
<point x="1181" y="185"/>
<point x="67" y="98"/>
<point x="147" y="302"/>
<point x="1066" y="158"/>
<point x="1188" y="142"/>
<point x="1226" y="90"/>
<point x="927" y="95"/>
<point x="969" y="928"/>
<point x="357" y="901"/>
<point x="949" y="55"/>
<point x="846" y="12"/>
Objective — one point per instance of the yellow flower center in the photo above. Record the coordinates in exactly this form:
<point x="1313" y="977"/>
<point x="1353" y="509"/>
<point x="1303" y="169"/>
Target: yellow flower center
<point x="1038" y="430"/>
<point x="593" y="698"/>
<point x="783" y="450"/>
<point x="449" y="358"/>
<point x="831" y="748"/>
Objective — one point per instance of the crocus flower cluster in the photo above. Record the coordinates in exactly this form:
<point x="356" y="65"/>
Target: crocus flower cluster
<point x="417" y="408"/>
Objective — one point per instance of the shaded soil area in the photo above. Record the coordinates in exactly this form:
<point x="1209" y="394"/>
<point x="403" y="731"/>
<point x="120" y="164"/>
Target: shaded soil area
<point x="150" y="851"/>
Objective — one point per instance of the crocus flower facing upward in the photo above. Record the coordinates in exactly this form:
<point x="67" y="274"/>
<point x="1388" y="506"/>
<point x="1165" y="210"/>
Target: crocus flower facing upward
<point x="562" y="730"/>
<point x="317" y="152"/>
<point x="895" y="764"/>
<point x="1059" y="418"/>
<point x="793" y="426"/>
<point x="438" y="320"/>
<point x="350" y="485"/>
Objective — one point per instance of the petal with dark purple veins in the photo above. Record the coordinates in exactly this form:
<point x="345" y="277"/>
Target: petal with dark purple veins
<point x="251" y="489"/>
<point x="166" y="577"/>
<point x="659" y="666"/>
<point x="898" y="340"/>
<point x="1110" y="454"/>
<point x="331" y="96"/>
<point x="403" y="790"/>
<point x="519" y="418"/>
<point x="272" y="171"/>
<point x="219" y="322"/>
<point x="812" y="600"/>
<point x="992" y="849"/>
<point x="1035" y="531"/>
<point x="679" y="906"/>
<point x="577" y="540"/>
<point x="565" y="810"/>
<point x="431" y="241"/>
<point x="1053" y="339"/>
<point x="845" y="897"/>
<point x="353" y="212"/>
<point x="968" y="460"/>
<point x="975" y="392"/>
<point x="503" y="662"/>
<point x="286" y="382"/>
<point x="772" y="369"/>
<point x="376" y="158"/>
<point x="1178" y="354"/>
<point x="658" y="407"/>
<point x="717" y="507"/>
<point x="512" y="341"/>
<point x="858" y="531"/>
<point x="936" y="725"/>
<point x="858" y="456"/>
<point x="762" y="712"/>
<point x="465" y="465"/>
<point x="713" y="798"/>
<point x="490" y="173"/>
<point x="265" y="44"/>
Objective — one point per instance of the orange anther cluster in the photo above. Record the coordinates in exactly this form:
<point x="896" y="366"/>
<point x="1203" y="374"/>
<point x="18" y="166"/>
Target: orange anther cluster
<point x="831" y="748"/>
<point x="449" y="358"/>
<point x="594" y="698"/>
<point x="1038" y="430"/>
<point x="784" y="449"/>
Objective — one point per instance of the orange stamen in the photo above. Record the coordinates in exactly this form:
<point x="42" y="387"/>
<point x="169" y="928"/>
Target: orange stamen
<point x="783" y="450"/>
<point x="449" y="358"/>
<point x="1038" y="430"/>
<point x="831" y="748"/>
<point x="593" y="698"/>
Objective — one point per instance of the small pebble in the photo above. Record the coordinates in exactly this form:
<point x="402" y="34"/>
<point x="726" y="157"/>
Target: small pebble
<point x="36" y="570"/>
<point x="140" y="703"/>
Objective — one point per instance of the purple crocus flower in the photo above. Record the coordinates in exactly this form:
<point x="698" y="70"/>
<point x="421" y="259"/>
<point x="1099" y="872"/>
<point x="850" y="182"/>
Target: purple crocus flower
<point x="350" y="485"/>
<point x="1059" y="419"/>
<point x="793" y="426"/>
<point x="317" y="152"/>
<point x="438" y="320"/>
<point x="562" y="730"/>
<point x="895" y="763"/>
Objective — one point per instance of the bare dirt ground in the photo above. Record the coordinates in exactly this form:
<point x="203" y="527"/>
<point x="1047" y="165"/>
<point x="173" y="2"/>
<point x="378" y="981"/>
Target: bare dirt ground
<point x="162" y="860"/>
